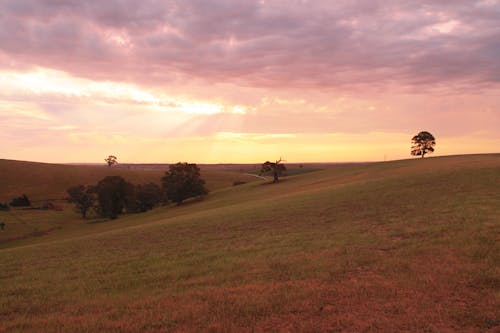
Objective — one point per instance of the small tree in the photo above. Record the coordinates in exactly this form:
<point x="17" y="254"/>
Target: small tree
<point x="182" y="181"/>
<point x="422" y="143"/>
<point x="21" y="201"/>
<point x="112" y="195"/>
<point x="111" y="160"/>
<point x="276" y="168"/>
<point x="147" y="196"/>
<point x="83" y="197"/>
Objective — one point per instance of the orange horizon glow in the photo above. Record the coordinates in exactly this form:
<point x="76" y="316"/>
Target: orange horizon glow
<point x="80" y="82"/>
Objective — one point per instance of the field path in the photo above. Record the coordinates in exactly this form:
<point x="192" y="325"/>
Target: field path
<point x="253" y="175"/>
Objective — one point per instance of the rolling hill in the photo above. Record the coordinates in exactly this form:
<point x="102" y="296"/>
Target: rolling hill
<point x="406" y="245"/>
<point x="42" y="181"/>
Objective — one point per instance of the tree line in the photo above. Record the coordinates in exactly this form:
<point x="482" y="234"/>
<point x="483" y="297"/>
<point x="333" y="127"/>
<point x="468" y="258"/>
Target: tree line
<point x="113" y="195"/>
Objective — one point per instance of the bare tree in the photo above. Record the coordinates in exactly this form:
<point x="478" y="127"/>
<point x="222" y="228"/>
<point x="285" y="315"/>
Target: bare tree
<point x="276" y="168"/>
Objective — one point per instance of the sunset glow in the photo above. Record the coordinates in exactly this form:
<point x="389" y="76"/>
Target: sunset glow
<point x="242" y="81"/>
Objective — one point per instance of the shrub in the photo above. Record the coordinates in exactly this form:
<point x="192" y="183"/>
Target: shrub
<point x="147" y="196"/>
<point x="21" y="201"/>
<point x="49" y="205"/>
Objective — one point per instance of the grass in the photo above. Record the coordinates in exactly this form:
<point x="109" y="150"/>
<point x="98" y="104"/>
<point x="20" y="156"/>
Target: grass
<point x="397" y="246"/>
<point x="42" y="181"/>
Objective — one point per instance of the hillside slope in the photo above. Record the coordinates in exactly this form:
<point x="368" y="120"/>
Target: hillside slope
<point x="398" y="246"/>
<point x="41" y="181"/>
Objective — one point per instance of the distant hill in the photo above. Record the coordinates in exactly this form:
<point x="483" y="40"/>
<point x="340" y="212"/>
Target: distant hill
<point x="42" y="181"/>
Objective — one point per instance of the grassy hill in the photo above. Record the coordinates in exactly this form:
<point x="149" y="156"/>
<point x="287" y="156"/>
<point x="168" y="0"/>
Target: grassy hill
<point x="41" y="181"/>
<point x="398" y="246"/>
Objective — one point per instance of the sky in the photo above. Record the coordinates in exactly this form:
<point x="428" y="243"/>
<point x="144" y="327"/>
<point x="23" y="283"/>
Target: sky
<point x="227" y="81"/>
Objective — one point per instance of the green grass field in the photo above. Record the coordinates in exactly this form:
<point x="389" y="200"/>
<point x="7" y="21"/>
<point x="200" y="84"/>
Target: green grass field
<point x="408" y="245"/>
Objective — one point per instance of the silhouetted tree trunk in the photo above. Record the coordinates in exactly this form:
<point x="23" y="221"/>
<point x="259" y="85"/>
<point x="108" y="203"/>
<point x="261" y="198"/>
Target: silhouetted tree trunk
<point x="422" y="144"/>
<point x="273" y="167"/>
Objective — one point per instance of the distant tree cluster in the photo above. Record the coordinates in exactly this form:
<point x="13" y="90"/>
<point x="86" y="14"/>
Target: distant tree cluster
<point x="113" y="195"/>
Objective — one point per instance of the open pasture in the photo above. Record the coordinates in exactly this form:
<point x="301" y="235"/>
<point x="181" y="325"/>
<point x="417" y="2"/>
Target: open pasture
<point x="406" y="245"/>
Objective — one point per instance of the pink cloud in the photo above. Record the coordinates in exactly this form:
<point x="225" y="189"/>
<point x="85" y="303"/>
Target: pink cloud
<point x="272" y="43"/>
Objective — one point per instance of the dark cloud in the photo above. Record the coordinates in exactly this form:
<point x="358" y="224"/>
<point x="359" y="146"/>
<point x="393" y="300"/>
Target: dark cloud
<point x="258" y="43"/>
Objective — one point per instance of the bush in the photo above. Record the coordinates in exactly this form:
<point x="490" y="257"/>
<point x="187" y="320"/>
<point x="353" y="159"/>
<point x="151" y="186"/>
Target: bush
<point x="49" y="205"/>
<point x="21" y="201"/>
<point x="147" y="197"/>
<point x="141" y="198"/>
<point x="4" y="206"/>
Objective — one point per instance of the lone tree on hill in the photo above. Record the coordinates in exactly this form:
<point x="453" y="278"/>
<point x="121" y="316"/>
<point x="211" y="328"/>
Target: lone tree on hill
<point x="83" y="197"/>
<point x="182" y="181"/>
<point x="276" y="168"/>
<point x="112" y="195"/>
<point x="111" y="160"/>
<point x="422" y="143"/>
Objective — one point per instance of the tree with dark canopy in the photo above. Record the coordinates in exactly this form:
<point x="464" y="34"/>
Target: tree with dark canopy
<point x="275" y="168"/>
<point x="83" y="197"/>
<point x="183" y="181"/>
<point x="144" y="198"/>
<point x="111" y="160"/>
<point x="21" y="201"/>
<point x="422" y="143"/>
<point x="112" y="195"/>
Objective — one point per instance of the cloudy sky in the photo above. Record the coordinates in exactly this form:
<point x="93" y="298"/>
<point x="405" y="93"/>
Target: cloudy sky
<point x="246" y="81"/>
